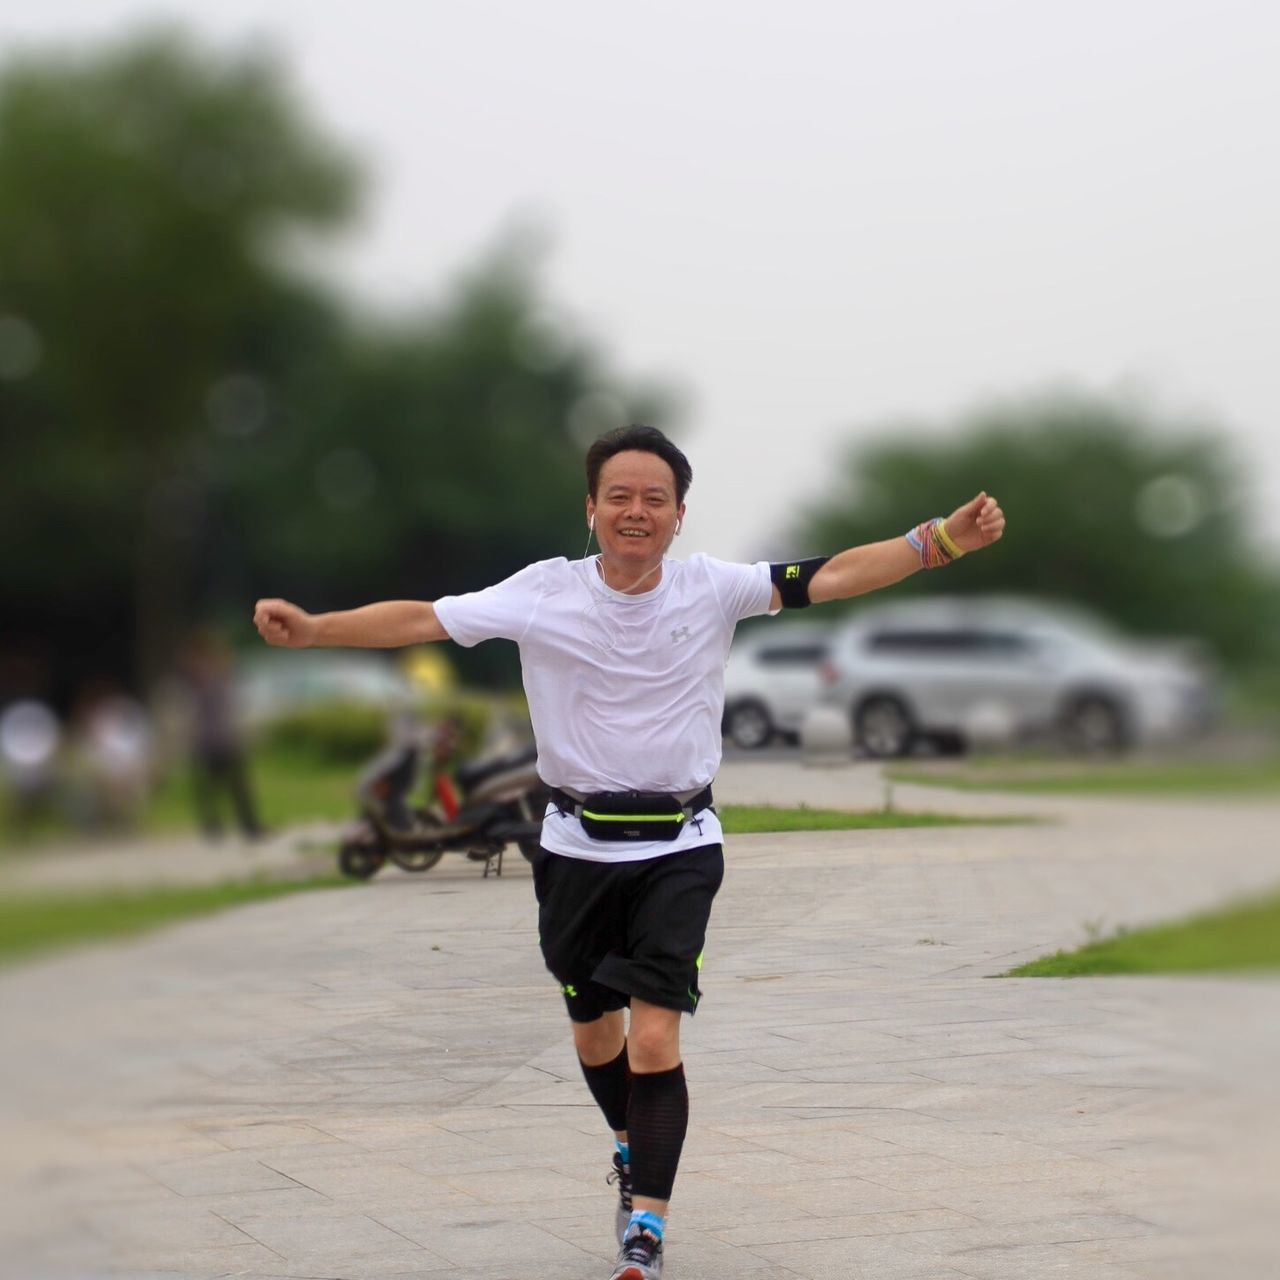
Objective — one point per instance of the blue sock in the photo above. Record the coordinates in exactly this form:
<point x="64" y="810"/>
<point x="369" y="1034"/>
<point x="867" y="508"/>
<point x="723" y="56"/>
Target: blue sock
<point x="624" y="1150"/>
<point x="651" y="1222"/>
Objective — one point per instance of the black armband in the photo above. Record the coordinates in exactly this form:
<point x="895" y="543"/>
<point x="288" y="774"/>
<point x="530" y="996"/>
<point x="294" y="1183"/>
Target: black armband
<point x="792" y="579"/>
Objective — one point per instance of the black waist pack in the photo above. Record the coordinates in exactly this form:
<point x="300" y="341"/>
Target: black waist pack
<point x="631" y="815"/>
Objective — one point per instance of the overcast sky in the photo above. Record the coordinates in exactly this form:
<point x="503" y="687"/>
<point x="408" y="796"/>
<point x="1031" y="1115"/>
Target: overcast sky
<point x="814" y="217"/>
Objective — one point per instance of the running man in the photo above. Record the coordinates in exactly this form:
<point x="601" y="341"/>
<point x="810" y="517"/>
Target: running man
<point x="623" y="660"/>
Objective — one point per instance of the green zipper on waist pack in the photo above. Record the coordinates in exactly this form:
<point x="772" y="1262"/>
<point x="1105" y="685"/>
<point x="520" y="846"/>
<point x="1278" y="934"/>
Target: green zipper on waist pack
<point x="633" y="817"/>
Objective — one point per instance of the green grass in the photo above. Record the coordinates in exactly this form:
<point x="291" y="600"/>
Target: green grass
<point x="287" y="788"/>
<point x="290" y="789"/>
<point x="31" y="923"/>
<point x="1242" y="936"/>
<point x="1191" y="777"/>
<point x="753" y="819"/>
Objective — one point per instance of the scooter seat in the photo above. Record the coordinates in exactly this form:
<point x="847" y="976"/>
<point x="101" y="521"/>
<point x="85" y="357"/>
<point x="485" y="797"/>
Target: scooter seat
<point x="472" y="774"/>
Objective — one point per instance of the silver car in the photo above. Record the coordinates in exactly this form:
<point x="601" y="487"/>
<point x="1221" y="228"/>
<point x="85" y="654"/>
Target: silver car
<point x="275" y="683"/>
<point x="771" y="680"/>
<point x="1000" y="672"/>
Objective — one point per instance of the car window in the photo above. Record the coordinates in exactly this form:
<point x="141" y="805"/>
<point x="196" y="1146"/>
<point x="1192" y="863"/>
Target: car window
<point x="909" y="642"/>
<point x="1005" y="644"/>
<point x="955" y="642"/>
<point x="794" y="655"/>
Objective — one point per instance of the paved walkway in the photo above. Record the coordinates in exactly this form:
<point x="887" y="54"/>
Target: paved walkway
<point x="377" y="1082"/>
<point x="124" y="863"/>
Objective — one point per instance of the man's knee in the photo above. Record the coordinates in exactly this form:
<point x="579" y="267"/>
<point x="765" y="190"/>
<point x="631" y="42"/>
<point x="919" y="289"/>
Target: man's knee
<point x="653" y="1040"/>
<point x="599" y="1041"/>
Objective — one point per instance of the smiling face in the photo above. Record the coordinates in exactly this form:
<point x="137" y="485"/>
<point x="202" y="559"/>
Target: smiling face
<point x="635" y="512"/>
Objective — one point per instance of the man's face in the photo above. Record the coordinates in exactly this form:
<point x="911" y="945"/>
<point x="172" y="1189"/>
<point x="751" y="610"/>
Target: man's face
<point x="635" y="507"/>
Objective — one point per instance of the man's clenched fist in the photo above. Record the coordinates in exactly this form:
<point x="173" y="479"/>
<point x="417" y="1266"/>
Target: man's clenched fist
<point x="977" y="524"/>
<point x="284" y="624"/>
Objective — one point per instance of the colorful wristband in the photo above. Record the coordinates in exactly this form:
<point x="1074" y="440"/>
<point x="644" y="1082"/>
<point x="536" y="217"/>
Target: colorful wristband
<point x="940" y="531"/>
<point x="933" y="544"/>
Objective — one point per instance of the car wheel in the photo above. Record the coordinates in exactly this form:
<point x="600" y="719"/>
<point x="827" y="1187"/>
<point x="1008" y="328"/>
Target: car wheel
<point x="1094" y="724"/>
<point x="747" y="725"/>
<point x="882" y="727"/>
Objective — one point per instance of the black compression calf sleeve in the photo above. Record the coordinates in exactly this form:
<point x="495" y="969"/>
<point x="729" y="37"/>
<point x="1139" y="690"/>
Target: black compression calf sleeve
<point x="656" y="1124"/>
<point x="610" y="1085"/>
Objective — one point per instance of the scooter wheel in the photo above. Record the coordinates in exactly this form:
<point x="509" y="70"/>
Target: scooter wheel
<point x="416" y="859"/>
<point x="359" y="861"/>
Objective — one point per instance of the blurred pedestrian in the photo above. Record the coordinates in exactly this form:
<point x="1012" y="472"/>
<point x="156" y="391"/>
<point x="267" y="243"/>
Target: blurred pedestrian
<point x="112" y="758"/>
<point x="623" y="657"/>
<point x="30" y="736"/>
<point x="219" y="763"/>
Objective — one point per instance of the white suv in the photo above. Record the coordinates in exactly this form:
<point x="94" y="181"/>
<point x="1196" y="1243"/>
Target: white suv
<point x="956" y="670"/>
<point x="771" y="680"/>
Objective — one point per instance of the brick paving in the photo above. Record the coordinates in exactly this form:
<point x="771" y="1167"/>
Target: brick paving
<point x="378" y="1082"/>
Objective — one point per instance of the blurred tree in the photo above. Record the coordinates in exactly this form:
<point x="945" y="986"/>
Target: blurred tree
<point x="188" y="424"/>
<point x="1144" y="521"/>
<point x="145" y="194"/>
<point x="412" y="459"/>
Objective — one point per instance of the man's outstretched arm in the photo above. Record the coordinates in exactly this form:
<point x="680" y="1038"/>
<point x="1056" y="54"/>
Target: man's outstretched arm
<point x="977" y="524"/>
<point x="389" y="624"/>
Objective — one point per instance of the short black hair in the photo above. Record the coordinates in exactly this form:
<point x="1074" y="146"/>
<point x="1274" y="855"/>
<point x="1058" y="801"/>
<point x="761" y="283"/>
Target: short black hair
<point x="645" y="440"/>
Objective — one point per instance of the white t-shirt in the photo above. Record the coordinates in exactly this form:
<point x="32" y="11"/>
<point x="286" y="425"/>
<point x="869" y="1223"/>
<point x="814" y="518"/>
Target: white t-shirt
<point x="626" y="692"/>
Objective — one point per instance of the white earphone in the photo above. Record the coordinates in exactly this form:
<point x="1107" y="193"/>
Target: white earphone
<point x="591" y="522"/>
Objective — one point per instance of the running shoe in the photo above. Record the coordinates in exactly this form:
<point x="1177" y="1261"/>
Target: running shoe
<point x="622" y="1176"/>
<point x="640" y="1257"/>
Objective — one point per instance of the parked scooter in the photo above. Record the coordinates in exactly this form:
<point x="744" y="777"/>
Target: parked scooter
<point x="486" y="805"/>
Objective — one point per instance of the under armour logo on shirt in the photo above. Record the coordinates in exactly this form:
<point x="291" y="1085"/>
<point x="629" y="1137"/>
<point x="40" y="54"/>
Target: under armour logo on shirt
<point x="678" y="634"/>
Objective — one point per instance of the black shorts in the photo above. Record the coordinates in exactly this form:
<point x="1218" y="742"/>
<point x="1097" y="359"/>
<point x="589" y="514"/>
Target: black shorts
<point x="613" y="930"/>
